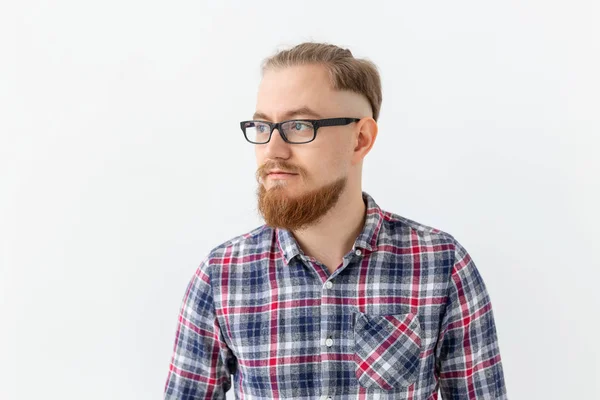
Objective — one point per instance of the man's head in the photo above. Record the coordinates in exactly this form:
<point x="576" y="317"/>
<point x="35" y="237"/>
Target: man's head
<point x="313" y="81"/>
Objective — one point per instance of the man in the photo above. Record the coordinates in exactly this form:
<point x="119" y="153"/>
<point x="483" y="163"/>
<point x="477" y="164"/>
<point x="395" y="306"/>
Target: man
<point x="333" y="297"/>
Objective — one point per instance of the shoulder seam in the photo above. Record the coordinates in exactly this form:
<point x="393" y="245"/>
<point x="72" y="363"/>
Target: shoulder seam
<point x="248" y="235"/>
<point x="417" y="226"/>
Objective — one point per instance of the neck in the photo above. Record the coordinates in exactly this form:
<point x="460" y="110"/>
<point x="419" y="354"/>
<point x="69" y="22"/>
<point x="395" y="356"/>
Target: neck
<point x="333" y="237"/>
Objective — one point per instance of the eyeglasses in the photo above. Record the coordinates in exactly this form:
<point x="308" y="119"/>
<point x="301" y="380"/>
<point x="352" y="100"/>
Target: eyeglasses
<point x="295" y="131"/>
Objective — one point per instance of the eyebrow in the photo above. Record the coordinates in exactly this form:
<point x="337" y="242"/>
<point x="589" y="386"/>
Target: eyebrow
<point x="290" y="114"/>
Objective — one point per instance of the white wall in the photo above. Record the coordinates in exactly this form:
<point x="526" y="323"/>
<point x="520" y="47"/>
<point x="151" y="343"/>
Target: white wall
<point x="122" y="165"/>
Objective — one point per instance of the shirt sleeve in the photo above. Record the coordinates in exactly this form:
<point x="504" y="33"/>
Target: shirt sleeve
<point x="468" y="364"/>
<point x="197" y="369"/>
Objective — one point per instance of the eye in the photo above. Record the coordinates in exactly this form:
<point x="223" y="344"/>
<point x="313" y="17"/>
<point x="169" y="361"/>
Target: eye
<point x="300" y="126"/>
<point x="261" y="128"/>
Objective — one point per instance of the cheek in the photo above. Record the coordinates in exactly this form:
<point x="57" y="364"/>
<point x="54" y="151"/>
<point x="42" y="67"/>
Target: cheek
<point x="258" y="155"/>
<point x="337" y="159"/>
<point x="324" y="169"/>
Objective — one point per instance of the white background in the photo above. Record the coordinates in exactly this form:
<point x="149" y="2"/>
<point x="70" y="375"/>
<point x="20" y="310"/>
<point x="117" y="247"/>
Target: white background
<point x="122" y="164"/>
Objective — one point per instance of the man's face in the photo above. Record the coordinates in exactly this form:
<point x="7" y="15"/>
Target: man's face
<point x="320" y="168"/>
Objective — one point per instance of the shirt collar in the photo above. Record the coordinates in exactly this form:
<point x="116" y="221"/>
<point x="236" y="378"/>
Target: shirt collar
<point x="367" y="238"/>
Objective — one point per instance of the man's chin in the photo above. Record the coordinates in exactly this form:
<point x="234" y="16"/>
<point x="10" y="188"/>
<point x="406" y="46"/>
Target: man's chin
<point x="282" y="207"/>
<point x="281" y="191"/>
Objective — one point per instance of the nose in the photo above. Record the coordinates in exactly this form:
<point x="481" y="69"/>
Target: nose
<point x="277" y="147"/>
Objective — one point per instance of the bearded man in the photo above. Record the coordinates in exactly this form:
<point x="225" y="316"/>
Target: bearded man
<point x="333" y="297"/>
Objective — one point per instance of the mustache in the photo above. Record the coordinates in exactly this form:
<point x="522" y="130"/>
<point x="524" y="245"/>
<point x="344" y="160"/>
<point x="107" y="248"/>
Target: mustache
<point x="264" y="169"/>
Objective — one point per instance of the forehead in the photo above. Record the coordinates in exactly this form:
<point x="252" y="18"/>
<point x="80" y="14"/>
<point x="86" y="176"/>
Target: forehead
<point x="291" y="88"/>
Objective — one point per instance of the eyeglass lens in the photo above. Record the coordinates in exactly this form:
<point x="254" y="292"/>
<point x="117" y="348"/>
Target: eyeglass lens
<point x="295" y="131"/>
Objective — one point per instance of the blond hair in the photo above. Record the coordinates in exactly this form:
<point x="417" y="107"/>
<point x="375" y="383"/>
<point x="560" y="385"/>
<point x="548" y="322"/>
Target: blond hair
<point x="346" y="72"/>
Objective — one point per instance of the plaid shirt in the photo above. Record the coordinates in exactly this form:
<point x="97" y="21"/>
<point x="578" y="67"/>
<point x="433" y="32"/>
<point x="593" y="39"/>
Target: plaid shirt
<point x="406" y="314"/>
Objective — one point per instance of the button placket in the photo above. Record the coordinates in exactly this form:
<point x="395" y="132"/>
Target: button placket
<point x="329" y="326"/>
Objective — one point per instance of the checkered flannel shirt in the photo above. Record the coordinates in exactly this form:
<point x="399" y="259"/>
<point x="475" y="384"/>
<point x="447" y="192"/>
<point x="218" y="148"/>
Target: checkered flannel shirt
<point x="405" y="316"/>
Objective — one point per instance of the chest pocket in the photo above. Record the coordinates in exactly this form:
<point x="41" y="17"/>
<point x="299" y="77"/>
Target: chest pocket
<point x="387" y="350"/>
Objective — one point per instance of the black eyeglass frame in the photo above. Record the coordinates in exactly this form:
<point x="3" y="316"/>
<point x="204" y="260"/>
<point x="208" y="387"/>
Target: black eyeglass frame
<point x="317" y="123"/>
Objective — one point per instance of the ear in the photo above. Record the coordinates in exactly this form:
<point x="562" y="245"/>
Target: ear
<point x="364" y="139"/>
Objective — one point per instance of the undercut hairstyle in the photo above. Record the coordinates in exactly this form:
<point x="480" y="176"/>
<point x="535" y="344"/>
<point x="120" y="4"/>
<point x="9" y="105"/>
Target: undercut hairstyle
<point x="346" y="72"/>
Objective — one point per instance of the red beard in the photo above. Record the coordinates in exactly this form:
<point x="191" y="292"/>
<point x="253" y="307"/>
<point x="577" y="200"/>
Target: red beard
<point x="281" y="210"/>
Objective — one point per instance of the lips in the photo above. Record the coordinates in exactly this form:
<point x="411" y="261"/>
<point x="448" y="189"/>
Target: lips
<point x="278" y="175"/>
<point x="281" y="172"/>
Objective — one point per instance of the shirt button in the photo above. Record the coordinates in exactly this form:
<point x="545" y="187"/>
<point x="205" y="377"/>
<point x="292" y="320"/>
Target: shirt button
<point x="358" y="252"/>
<point x="328" y="285"/>
<point x="329" y="342"/>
